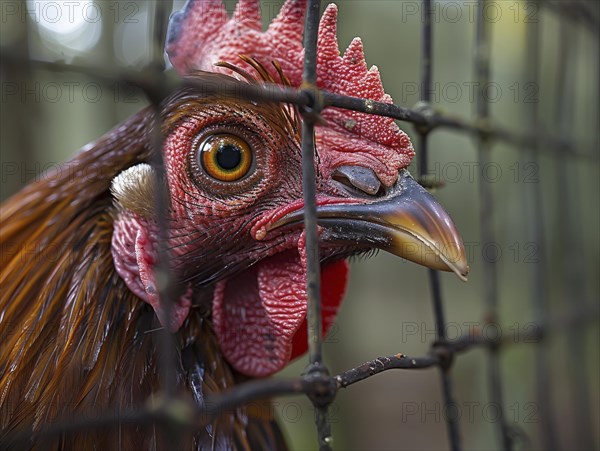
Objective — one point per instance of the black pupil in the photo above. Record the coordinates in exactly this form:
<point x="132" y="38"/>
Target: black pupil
<point x="228" y="156"/>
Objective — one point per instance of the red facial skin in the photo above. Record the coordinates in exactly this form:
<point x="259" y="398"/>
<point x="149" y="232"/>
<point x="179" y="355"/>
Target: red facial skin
<point x="219" y="237"/>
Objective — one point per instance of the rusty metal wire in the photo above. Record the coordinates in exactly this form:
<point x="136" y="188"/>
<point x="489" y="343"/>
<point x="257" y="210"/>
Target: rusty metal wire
<point x="568" y="223"/>
<point x="486" y="217"/>
<point x="316" y="383"/>
<point x="436" y="290"/>
<point x="533" y="204"/>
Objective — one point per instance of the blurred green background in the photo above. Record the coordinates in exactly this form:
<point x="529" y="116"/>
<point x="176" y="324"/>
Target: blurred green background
<point x="45" y="117"/>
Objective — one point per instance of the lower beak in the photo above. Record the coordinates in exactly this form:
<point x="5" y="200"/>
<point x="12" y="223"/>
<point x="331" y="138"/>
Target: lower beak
<point x="408" y="222"/>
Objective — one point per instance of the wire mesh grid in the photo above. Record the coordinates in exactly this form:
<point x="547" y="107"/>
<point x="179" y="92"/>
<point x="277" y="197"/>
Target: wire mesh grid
<point x="316" y="383"/>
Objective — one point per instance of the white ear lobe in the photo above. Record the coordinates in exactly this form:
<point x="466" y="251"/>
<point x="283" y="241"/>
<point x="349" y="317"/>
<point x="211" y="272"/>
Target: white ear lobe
<point x="135" y="189"/>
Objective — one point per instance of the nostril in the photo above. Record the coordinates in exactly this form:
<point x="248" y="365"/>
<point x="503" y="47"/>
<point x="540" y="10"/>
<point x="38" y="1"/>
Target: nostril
<point x="358" y="178"/>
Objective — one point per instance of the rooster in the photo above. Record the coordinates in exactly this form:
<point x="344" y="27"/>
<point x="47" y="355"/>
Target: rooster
<point x="80" y="304"/>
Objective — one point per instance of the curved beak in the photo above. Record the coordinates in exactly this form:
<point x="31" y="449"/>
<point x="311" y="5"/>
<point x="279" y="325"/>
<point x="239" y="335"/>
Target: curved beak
<point x="408" y="222"/>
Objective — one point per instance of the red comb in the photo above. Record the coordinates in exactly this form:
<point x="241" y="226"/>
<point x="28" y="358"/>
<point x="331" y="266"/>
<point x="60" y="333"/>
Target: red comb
<point x="202" y="34"/>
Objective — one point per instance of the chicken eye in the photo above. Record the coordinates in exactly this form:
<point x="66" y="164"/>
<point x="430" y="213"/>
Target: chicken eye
<point x="225" y="157"/>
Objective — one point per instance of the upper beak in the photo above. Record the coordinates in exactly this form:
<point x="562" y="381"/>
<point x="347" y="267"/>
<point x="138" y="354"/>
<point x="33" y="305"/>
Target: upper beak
<point x="408" y="222"/>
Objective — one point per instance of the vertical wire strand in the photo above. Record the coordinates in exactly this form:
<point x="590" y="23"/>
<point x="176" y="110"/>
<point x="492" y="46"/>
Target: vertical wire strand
<point x="313" y="277"/>
<point x="452" y="418"/>
<point x="486" y="219"/>
<point x="164" y="276"/>
<point x="309" y="189"/>
<point x="165" y="279"/>
<point x="536" y="234"/>
<point x="572" y="251"/>
<point x="434" y="277"/>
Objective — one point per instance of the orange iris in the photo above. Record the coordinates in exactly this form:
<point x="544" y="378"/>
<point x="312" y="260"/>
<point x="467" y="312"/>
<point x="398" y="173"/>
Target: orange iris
<point x="225" y="157"/>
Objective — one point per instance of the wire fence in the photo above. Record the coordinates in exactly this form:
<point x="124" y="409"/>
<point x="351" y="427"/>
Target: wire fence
<point x="317" y="383"/>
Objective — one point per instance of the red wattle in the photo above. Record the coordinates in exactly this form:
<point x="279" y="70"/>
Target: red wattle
<point x="259" y="316"/>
